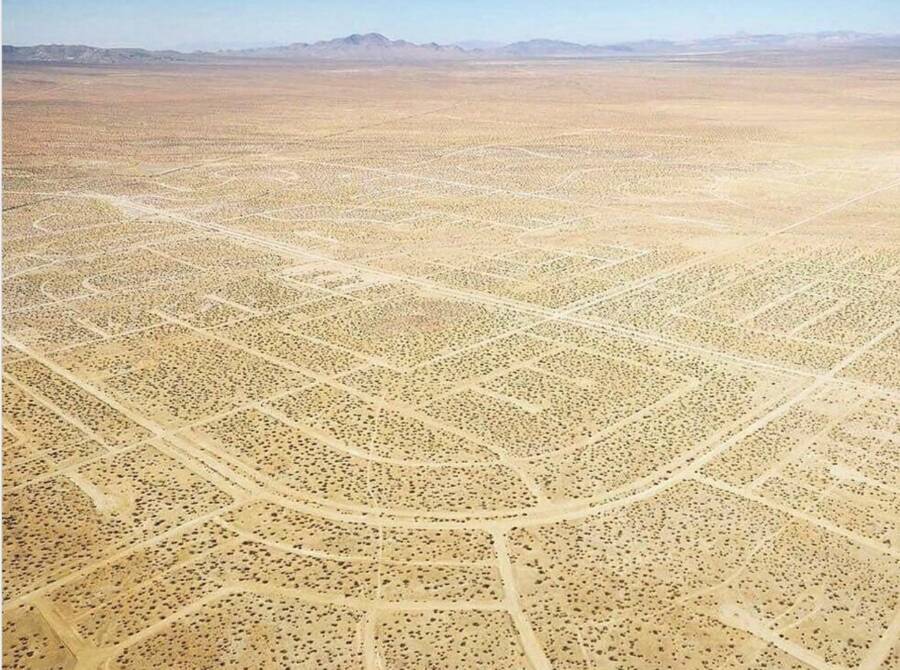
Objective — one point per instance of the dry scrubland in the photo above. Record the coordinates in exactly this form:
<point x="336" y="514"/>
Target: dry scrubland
<point x="468" y="366"/>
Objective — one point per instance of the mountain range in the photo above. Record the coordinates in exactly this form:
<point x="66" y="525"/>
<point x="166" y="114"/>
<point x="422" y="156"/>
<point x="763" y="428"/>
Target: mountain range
<point x="371" y="46"/>
<point x="377" y="47"/>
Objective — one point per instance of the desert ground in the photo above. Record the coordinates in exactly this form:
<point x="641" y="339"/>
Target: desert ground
<point x="570" y="365"/>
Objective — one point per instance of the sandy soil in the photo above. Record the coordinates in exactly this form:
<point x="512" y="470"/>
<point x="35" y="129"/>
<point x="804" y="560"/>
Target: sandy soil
<point x="536" y="365"/>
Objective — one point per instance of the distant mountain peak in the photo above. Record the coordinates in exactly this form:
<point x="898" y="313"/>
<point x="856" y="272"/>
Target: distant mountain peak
<point x="368" y="38"/>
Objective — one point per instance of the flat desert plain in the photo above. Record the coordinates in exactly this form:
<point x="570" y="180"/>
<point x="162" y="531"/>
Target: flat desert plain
<point x="570" y="365"/>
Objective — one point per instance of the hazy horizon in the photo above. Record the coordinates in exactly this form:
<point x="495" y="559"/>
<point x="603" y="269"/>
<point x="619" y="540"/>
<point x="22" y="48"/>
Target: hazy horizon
<point x="224" y="24"/>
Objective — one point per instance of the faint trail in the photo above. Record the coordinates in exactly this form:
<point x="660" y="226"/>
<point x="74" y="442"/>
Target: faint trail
<point x="883" y="647"/>
<point x="534" y="652"/>
<point x="836" y="207"/>
<point x="115" y="556"/>
<point x="371" y="657"/>
<point x="742" y="619"/>
<point x="566" y="314"/>
<point x="825" y="525"/>
<point x="82" y="650"/>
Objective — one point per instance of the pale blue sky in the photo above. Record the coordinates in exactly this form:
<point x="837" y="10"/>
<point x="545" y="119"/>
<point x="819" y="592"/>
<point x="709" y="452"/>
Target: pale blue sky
<point x="227" y="23"/>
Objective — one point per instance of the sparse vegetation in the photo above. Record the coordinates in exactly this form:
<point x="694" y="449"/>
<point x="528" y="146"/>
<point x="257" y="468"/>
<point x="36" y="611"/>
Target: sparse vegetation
<point x="461" y="366"/>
